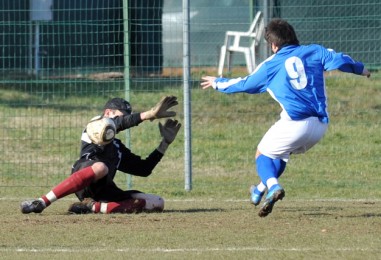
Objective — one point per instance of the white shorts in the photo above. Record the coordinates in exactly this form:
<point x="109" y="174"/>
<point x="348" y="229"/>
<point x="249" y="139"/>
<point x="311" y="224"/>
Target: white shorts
<point x="288" y="136"/>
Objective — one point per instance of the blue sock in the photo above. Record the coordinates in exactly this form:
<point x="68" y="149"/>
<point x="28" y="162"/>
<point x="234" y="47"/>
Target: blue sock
<point x="266" y="168"/>
<point x="280" y="166"/>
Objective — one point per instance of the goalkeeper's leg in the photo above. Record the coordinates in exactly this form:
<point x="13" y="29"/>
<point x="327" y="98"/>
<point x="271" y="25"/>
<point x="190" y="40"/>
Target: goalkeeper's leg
<point x="88" y="205"/>
<point x="153" y="203"/>
<point x="75" y="182"/>
<point x="138" y="203"/>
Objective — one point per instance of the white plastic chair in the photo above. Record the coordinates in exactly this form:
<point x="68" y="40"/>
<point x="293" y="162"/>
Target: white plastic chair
<point x="234" y="42"/>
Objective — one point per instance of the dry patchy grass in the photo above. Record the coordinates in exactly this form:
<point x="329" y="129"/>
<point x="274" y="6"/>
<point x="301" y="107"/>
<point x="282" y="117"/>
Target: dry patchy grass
<point x="202" y="228"/>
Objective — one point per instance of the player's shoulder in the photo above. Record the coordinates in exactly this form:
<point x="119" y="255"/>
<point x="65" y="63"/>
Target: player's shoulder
<point x="312" y="46"/>
<point x="316" y="47"/>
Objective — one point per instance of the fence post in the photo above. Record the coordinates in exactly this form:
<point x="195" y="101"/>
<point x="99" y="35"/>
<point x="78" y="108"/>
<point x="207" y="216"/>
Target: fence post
<point x="187" y="98"/>
<point x="126" y="73"/>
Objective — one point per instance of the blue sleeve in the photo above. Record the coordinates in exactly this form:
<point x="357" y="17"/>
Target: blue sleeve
<point x="252" y="84"/>
<point x="340" y="61"/>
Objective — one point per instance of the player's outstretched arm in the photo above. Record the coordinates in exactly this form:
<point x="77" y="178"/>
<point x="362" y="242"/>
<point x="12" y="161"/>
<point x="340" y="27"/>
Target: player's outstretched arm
<point x="160" y="110"/>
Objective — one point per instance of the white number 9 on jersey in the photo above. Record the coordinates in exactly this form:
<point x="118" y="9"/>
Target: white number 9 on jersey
<point x="295" y="70"/>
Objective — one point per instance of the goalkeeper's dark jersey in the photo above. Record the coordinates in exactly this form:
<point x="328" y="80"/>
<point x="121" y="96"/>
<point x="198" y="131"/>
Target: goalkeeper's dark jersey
<point x="116" y="155"/>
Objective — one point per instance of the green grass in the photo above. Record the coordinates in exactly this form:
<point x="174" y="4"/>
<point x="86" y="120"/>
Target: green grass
<point x="198" y="228"/>
<point x="331" y="209"/>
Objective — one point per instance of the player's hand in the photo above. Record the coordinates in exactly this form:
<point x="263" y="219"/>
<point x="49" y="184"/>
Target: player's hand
<point x="207" y="81"/>
<point x="366" y="73"/>
<point x="168" y="132"/>
<point x="160" y="110"/>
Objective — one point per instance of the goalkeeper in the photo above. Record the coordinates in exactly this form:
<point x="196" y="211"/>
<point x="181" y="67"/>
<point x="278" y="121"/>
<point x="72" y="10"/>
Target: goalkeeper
<point x="92" y="175"/>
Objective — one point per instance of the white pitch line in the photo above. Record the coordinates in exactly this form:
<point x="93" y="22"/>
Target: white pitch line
<point x="174" y="250"/>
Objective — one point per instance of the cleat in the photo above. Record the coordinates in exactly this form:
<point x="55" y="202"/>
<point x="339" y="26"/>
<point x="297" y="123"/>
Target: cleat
<point x="82" y="207"/>
<point x="36" y="206"/>
<point x="275" y="194"/>
<point x="255" y="195"/>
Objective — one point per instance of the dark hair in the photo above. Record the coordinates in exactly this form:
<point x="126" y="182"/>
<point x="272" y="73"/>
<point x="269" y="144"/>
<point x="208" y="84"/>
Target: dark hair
<point x="118" y="104"/>
<point x="281" y="33"/>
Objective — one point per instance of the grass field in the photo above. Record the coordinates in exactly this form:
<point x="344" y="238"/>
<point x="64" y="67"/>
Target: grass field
<point x="332" y="208"/>
<point x="198" y="228"/>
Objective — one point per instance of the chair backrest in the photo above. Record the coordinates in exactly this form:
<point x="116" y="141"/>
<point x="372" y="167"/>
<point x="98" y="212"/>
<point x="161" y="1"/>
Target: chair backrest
<point x="257" y="27"/>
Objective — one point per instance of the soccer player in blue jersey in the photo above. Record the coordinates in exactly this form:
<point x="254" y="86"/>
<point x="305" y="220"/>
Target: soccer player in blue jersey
<point x="294" y="77"/>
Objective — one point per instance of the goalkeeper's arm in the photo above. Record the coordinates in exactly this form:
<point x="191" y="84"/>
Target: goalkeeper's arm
<point x="127" y="121"/>
<point x="160" y="110"/>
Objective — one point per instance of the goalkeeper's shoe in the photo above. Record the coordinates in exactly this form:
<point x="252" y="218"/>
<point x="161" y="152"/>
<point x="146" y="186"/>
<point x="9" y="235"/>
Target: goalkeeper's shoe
<point x="82" y="207"/>
<point x="36" y="206"/>
<point x="255" y="195"/>
<point x="274" y="194"/>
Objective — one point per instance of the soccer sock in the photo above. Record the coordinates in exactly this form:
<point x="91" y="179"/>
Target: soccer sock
<point x="267" y="171"/>
<point x="75" y="182"/>
<point x="126" y="206"/>
<point x="260" y="188"/>
<point x="271" y="182"/>
<point x="280" y="166"/>
<point x="97" y="207"/>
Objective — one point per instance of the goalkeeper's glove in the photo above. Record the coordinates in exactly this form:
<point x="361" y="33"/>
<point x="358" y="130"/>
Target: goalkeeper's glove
<point x="160" y="110"/>
<point x="168" y="132"/>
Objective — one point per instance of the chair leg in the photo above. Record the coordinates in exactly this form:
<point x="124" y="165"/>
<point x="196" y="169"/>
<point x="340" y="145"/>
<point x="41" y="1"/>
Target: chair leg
<point x="249" y="61"/>
<point x="230" y="60"/>
<point x="253" y="59"/>
<point x="222" y="60"/>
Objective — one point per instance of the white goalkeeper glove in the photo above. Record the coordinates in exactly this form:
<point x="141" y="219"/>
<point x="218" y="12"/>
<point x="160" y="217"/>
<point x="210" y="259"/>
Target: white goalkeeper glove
<point x="160" y="110"/>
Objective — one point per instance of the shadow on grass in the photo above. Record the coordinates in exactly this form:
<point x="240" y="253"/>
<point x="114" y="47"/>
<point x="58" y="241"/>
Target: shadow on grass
<point x="365" y="215"/>
<point x="329" y="211"/>
<point x="164" y="212"/>
<point x="314" y="210"/>
<point x="194" y="210"/>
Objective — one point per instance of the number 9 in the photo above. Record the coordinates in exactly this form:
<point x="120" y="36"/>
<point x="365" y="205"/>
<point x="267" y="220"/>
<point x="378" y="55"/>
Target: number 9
<point x="295" y="70"/>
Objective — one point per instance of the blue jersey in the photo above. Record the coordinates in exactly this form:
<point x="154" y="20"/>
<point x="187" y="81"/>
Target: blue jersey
<point x="294" y="77"/>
